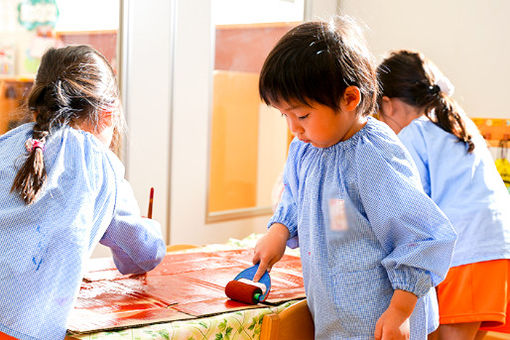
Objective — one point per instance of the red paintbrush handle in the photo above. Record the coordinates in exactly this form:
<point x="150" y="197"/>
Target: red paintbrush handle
<point x="151" y="200"/>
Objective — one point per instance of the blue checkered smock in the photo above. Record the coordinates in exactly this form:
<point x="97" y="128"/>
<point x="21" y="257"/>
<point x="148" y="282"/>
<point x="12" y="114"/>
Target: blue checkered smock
<point x="396" y="237"/>
<point x="44" y="246"/>
<point x="466" y="186"/>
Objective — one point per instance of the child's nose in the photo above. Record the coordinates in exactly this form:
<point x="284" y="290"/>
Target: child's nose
<point x="295" y="127"/>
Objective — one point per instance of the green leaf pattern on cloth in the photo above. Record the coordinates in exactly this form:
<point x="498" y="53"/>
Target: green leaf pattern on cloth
<point x="240" y="325"/>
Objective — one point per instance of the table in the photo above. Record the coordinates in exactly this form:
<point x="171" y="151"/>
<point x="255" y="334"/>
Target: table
<point x="183" y="298"/>
<point x="244" y="324"/>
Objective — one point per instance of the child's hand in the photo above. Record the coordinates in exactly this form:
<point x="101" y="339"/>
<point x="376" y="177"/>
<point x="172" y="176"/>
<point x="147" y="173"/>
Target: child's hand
<point x="394" y="322"/>
<point x="270" y="248"/>
<point x="392" y="325"/>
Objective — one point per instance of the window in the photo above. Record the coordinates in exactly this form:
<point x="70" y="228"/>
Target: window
<point x="29" y="27"/>
<point x="249" y="140"/>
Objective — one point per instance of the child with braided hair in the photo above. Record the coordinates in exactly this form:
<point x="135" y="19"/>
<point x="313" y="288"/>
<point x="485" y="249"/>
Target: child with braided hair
<point x="61" y="192"/>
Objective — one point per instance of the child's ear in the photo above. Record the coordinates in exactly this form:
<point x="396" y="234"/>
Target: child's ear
<point x="351" y="98"/>
<point x="386" y="106"/>
<point x="107" y="117"/>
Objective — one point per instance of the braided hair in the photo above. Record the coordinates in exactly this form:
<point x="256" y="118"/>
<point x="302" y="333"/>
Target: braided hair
<point x="73" y="85"/>
<point x="416" y="81"/>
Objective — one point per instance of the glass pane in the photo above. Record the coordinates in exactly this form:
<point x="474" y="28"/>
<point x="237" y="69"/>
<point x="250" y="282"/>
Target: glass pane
<point x="29" y="27"/>
<point x="248" y="139"/>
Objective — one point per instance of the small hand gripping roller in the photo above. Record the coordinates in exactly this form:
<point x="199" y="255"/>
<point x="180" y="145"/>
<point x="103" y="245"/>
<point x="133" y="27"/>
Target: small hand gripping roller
<point x="244" y="289"/>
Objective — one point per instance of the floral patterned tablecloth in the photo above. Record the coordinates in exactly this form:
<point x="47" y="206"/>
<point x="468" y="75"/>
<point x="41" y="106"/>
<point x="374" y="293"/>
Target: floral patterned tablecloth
<point x="242" y="324"/>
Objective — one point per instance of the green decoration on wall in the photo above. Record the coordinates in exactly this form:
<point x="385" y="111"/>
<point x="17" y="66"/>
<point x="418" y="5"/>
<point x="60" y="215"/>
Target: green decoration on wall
<point x="35" y="13"/>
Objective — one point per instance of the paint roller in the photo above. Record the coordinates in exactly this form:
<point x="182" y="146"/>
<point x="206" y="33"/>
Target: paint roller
<point x="244" y="289"/>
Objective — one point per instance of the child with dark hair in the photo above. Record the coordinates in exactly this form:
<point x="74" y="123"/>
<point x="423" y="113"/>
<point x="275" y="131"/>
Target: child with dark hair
<point x="61" y="192"/>
<point x="458" y="173"/>
<point x="372" y="244"/>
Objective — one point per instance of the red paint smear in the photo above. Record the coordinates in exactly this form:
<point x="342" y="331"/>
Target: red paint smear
<point x="282" y="281"/>
<point x="195" y="265"/>
<point x="192" y="283"/>
<point x="278" y="296"/>
<point x="90" y="321"/>
<point x="149" y="314"/>
<point x="110" y="296"/>
<point x="289" y="263"/>
<point x="213" y="306"/>
<point x="174" y="290"/>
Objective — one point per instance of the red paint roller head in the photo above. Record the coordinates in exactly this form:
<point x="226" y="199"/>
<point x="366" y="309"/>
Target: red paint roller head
<point x="243" y="292"/>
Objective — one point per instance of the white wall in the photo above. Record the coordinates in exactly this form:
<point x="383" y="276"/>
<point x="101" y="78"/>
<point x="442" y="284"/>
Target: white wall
<point x="98" y="15"/>
<point x="148" y="56"/>
<point x="147" y="98"/>
<point x="469" y="40"/>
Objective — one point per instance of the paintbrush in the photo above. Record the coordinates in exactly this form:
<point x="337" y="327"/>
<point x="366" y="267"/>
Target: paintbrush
<point x="151" y="200"/>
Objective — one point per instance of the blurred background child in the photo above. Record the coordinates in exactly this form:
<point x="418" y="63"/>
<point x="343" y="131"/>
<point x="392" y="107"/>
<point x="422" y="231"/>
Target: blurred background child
<point x="458" y="173"/>
<point x="61" y="192"/>
<point x="372" y="244"/>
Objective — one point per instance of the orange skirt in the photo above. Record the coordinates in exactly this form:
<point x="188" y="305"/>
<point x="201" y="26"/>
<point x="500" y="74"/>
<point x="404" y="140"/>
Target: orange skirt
<point x="477" y="292"/>
<point x="4" y="336"/>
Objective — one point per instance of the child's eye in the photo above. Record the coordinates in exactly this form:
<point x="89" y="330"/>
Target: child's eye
<point x="284" y="115"/>
<point x="304" y="117"/>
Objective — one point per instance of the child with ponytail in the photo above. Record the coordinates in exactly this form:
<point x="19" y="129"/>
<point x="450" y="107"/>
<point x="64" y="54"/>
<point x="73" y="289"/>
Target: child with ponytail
<point x="61" y="192"/>
<point x="458" y="173"/>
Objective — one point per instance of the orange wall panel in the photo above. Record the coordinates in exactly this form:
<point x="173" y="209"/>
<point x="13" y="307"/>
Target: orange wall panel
<point x="244" y="48"/>
<point x="234" y="154"/>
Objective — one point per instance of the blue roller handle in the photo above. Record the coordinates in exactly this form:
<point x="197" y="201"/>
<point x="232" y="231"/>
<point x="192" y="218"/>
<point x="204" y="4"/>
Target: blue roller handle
<point x="249" y="273"/>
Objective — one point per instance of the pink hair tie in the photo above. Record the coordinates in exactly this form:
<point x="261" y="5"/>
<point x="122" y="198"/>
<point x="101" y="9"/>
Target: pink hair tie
<point x="31" y="144"/>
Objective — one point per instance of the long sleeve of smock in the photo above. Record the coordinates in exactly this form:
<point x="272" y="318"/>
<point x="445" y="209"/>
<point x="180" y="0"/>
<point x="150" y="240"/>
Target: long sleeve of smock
<point x="415" y="234"/>
<point x="465" y="185"/>
<point x="415" y="144"/>
<point x="136" y="242"/>
<point x="286" y="210"/>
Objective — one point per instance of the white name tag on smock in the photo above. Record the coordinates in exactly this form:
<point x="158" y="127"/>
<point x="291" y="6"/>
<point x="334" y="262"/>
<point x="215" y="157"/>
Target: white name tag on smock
<point x="337" y="215"/>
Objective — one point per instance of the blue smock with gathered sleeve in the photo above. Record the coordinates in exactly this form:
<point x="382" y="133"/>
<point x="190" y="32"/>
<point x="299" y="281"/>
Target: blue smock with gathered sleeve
<point x="466" y="186"/>
<point x="396" y="236"/>
<point x="44" y="246"/>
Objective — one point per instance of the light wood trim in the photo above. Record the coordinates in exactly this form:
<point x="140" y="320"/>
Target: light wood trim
<point x="294" y="322"/>
<point x="270" y="327"/>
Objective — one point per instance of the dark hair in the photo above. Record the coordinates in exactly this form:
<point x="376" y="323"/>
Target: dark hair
<point x="74" y="84"/>
<point x="414" y="79"/>
<point x="317" y="61"/>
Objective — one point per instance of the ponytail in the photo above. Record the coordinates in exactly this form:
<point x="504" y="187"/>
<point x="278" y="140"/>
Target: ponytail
<point x="31" y="177"/>
<point x="416" y="81"/>
<point x="445" y="113"/>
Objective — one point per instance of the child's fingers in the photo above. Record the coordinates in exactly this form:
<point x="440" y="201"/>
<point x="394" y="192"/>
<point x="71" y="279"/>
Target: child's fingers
<point x="378" y="330"/>
<point x="263" y="265"/>
<point x="256" y="258"/>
